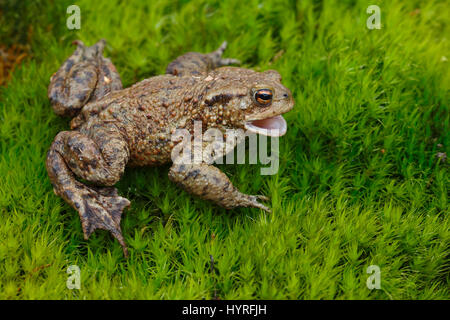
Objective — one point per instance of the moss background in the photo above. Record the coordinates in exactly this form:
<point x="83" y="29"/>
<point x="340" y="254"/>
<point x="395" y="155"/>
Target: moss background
<point x="363" y="178"/>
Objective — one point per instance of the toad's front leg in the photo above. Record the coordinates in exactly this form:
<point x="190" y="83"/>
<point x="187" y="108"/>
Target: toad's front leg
<point x="209" y="183"/>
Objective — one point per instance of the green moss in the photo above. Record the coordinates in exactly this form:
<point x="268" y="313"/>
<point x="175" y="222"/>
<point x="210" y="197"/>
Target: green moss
<point x="359" y="181"/>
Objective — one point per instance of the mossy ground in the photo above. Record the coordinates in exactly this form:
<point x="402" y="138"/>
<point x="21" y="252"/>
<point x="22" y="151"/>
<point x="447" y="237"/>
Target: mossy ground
<point x="359" y="182"/>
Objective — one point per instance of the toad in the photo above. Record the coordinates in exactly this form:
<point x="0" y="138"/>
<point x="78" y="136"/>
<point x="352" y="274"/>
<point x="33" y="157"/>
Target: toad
<point x="112" y="127"/>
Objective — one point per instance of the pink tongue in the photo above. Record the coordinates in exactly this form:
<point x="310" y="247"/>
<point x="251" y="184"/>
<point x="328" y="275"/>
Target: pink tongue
<point x="276" y="122"/>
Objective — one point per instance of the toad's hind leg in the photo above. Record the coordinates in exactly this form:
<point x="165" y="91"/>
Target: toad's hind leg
<point x="84" y="77"/>
<point x="99" y="207"/>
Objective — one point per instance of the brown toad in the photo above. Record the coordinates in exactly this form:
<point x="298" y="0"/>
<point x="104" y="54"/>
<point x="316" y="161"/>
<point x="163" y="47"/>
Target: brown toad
<point x="114" y="127"/>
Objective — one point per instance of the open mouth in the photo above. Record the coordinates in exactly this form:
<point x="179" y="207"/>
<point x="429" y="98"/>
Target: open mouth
<point x="272" y="127"/>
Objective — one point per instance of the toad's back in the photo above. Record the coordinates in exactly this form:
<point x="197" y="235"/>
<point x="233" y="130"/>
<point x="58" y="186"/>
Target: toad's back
<point x="146" y="113"/>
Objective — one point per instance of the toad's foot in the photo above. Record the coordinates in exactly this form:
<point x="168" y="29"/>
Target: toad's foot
<point x="101" y="208"/>
<point x="218" y="61"/>
<point x="86" y="76"/>
<point x="247" y="200"/>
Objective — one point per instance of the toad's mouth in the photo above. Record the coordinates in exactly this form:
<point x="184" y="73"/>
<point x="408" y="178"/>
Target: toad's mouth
<point x="272" y="127"/>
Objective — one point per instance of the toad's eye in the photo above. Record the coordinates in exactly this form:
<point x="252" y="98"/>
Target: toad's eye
<point x="263" y="97"/>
